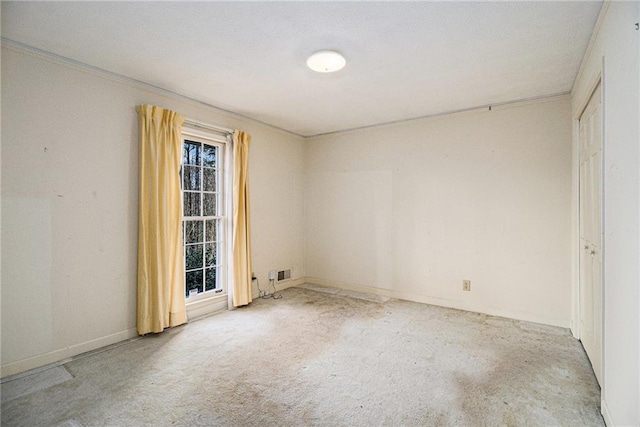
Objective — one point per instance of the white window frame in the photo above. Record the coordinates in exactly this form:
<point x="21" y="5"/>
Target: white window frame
<point x="211" y="301"/>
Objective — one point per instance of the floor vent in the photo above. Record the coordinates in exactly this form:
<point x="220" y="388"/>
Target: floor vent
<point x="284" y="275"/>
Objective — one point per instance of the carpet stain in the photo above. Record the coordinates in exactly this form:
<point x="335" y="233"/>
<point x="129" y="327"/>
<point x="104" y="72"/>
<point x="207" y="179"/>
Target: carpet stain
<point x="323" y="358"/>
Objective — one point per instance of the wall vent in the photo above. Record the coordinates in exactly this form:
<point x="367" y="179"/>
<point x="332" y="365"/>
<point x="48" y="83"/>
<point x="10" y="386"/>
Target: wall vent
<point x="284" y="275"/>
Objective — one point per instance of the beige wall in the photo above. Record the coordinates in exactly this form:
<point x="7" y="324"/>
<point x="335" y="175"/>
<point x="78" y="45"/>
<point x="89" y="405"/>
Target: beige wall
<point x="69" y="205"/>
<point x="411" y="210"/>
<point x="616" y="46"/>
<point x="407" y="210"/>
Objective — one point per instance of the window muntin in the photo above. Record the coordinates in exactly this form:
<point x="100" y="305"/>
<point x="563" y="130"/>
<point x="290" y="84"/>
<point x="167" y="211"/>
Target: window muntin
<point x="203" y="216"/>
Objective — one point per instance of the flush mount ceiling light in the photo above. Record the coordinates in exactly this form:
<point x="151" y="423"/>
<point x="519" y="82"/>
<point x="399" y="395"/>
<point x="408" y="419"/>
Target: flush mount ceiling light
<point x="326" y="61"/>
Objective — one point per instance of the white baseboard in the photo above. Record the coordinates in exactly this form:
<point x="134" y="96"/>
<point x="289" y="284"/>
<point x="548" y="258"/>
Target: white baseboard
<point x="195" y="311"/>
<point x="213" y="305"/>
<point x="459" y="305"/>
<point x="280" y="286"/>
<point x="606" y="415"/>
<point x="59" y="355"/>
<point x="574" y="329"/>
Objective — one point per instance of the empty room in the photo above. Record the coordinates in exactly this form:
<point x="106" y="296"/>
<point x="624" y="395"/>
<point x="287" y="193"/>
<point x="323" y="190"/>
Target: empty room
<point x="320" y="213"/>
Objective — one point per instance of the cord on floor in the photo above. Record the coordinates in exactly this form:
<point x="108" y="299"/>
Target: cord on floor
<point x="265" y="294"/>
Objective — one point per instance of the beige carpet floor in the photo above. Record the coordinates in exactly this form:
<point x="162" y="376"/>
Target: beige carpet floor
<point x="320" y="357"/>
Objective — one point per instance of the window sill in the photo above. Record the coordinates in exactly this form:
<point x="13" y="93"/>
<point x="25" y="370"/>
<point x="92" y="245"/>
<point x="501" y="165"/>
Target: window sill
<point x="206" y="306"/>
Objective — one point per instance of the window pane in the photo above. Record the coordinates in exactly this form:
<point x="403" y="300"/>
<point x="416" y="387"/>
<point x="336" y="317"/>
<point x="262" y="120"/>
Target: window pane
<point x="191" y="178"/>
<point x="209" y="180"/>
<point x="210" y="156"/>
<point x="211" y="230"/>
<point x="211" y="257"/>
<point x="209" y="204"/>
<point x="211" y="281"/>
<point x="193" y="256"/>
<point x="191" y="153"/>
<point x="193" y="280"/>
<point x="191" y="204"/>
<point x="200" y="176"/>
<point x="193" y="231"/>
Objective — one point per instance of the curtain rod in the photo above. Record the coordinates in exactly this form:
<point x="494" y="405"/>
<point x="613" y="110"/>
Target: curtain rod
<point x="206" y="126"/>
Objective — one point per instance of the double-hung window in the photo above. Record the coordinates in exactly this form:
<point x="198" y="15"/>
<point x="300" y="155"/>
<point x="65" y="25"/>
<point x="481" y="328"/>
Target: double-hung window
<point x="204" y="219"/>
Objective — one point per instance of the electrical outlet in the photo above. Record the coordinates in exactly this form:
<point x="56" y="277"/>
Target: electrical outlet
<point x="272" y="275"/>
<point x="466" y="285"/>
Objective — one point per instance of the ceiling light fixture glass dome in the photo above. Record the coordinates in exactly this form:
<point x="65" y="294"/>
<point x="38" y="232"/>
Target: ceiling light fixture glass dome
<point x="326" y="61"/>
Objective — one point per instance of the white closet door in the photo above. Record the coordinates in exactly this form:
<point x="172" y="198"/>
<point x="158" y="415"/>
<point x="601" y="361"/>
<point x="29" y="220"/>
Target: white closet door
<point x="591" y="232"/>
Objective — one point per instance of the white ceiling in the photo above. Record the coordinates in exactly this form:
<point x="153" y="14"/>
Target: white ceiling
<point x="404" y="59"/>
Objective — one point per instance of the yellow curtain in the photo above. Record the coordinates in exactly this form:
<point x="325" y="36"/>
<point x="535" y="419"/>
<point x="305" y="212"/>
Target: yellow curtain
<point x="241" y="223"/>
<point x="161" y="287"/>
